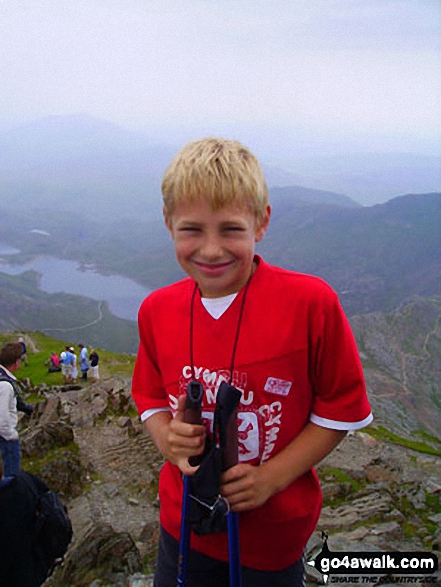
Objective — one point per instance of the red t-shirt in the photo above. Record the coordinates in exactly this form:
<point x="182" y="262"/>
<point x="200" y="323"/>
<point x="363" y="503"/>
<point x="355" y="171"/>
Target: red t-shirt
<point x="296" y="362"/>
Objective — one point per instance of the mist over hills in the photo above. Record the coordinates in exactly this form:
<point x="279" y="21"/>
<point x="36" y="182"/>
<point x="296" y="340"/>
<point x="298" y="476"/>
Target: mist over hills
<point x="88" y="191"/>
<point x="371" y="178"/>
<point x="96" y="165"/>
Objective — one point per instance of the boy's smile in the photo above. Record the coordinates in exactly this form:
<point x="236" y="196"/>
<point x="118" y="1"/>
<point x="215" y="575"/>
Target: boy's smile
<point x="216" y="248"/>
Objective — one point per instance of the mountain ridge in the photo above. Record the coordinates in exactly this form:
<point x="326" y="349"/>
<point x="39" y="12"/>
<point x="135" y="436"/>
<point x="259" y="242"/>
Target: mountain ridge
<point x="375" y="258"/>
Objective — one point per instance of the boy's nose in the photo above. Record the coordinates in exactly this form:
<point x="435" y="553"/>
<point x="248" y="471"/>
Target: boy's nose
<point x="211" y="248"/>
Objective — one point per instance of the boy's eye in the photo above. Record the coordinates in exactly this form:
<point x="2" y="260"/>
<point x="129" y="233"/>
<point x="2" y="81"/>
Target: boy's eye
<point x="189" y="229"/>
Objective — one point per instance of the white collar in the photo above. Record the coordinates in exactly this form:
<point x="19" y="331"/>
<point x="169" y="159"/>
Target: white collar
<point x="218" y="306"/>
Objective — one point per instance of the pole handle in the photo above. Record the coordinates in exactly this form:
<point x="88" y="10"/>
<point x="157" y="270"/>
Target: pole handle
<point x="193" y="411"/>
<point x="228" y="398"/>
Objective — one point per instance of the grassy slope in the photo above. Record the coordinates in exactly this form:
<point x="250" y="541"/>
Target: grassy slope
<point x="40" y="347"/>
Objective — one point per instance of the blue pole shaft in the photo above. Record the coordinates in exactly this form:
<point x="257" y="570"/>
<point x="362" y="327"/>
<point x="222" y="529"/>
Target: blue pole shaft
<point x="184" y="542"/>
<point x="234" y="550"/>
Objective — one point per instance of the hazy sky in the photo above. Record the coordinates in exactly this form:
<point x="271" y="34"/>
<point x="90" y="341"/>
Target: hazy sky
<point x="333" y="68"/>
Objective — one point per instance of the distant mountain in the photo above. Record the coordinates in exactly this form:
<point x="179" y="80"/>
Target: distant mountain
<point x="276" y="176"/>
<point x="375" y="257"/>
<point x="370" y="178"/>
<point x="401" y="353"/>
<point x="288" y="199"/>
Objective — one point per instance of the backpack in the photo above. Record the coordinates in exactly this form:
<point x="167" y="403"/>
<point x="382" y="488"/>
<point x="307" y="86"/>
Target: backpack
<point x="53" y="528"/>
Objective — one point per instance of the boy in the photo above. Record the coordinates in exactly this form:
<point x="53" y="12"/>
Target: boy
<point x="283" y="339"/>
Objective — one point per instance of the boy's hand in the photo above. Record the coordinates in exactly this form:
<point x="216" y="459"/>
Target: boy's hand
<point x="245" y="487"/>
<point x="184" y="440"/>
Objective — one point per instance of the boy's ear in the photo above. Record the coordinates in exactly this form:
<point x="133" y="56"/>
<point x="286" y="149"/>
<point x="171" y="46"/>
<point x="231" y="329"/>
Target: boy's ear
<point x="167" y="221"/>
<point x="261" y="229"/>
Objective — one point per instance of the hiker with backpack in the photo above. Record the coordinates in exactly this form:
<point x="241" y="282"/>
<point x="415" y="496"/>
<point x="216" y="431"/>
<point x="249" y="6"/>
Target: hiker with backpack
<point x="35" y="530"/>
<point x="278" y="337"/>
<point x="10" y="360"/>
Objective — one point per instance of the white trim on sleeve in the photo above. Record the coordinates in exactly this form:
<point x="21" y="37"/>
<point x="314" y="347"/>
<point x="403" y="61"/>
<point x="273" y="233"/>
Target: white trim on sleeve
<point x="152" y="412"/>
<point x="337" y="425"/>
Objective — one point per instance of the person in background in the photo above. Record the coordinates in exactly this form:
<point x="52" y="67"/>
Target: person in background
<point x="84" y="362"/>
<point x="66" y="360"/>
<point x="10" y="361"/>
<point x="53" y="363"/>
<point x="24" y="355"/>
<point x="74" y="364"/>
<point x="20" y="566"/>
<point x="94" y="369"/>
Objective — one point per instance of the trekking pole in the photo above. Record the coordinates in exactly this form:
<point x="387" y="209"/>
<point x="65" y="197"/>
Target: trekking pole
<point x="192" y="415"/>
<point x="228" y="398"/>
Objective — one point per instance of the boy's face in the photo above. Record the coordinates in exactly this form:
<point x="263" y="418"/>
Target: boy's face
<point x="215" y="248"/>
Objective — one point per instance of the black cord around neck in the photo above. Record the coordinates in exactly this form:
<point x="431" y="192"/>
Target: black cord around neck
<point x="192" y="330"/>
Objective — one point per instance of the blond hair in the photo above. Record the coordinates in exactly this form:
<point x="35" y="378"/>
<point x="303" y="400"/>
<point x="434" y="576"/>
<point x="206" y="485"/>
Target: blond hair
<point x="224" y="172"/>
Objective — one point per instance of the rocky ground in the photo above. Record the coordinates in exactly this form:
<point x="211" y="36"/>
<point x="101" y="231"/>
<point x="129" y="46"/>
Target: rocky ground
<point x="88" y="445"/>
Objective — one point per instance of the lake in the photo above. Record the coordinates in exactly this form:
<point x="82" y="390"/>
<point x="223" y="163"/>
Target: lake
<point x="123" y="295"/>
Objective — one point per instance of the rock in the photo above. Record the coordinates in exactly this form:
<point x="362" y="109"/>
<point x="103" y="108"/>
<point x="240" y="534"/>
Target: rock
<point x="98" y="406"/>
<point x="43" y="438"/>
<point x="65" y="474"/>
<point x="359" y="510"/>
<point x="52" y="411"/>
<point x="433" y="486"/>
<point x="120" y="400"/>
<point x="334" y="490"/>
<point x="125" y="422"/>
<point x="149" y="532"/>
<point x="111" y="490"/>
<point x="140" y="581"/>
<point x="102" y="554"/>
<point x="382" y="470"/>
